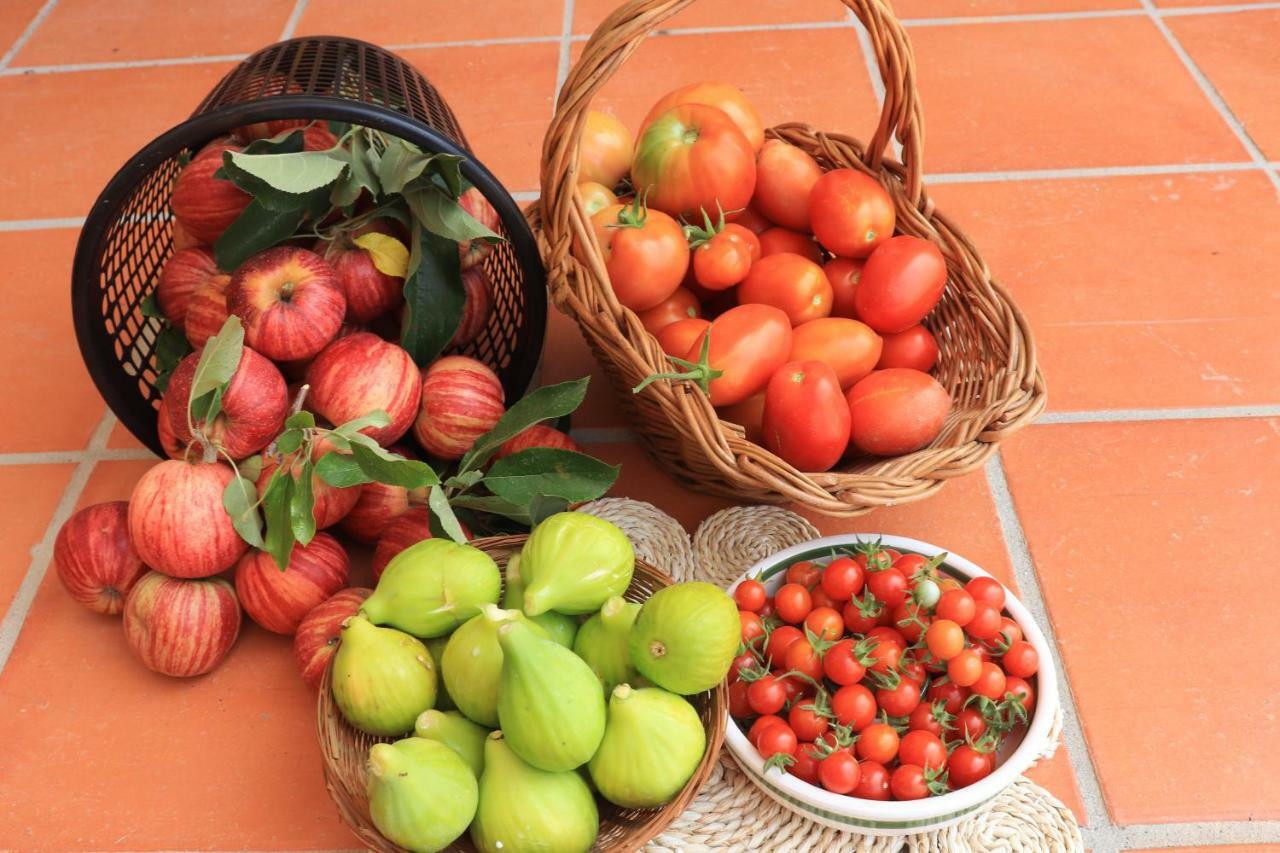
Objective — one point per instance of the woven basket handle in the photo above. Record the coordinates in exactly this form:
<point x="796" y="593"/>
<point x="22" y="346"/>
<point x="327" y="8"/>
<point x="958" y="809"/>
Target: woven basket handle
<point x="622" y="32"/>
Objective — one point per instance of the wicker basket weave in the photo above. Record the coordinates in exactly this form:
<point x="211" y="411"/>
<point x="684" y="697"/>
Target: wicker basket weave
<point x="345" y="750"/>
<point x="987" y="356"/>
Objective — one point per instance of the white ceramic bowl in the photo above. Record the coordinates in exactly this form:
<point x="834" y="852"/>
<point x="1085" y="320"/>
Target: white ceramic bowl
<point x="875" y="817"/>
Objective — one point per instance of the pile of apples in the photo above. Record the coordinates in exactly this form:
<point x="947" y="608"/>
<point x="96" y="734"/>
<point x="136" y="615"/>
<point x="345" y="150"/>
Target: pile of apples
<point x="325" y="316"/>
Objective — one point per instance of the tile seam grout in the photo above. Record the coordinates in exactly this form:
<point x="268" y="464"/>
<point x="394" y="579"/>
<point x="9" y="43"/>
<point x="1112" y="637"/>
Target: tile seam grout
<point x="291" y="23"/>
<point x="23" y="37"/>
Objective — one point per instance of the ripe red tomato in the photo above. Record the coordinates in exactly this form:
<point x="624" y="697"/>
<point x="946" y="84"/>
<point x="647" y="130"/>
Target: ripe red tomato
<point x="785" y="175"/>
<point x="843" y="273"/>
<point x="778" y="240"/>
<point x="780" y="639"/>
<point x="1020" y="688"/>
<point x="967" y="765"/>
<point x="950" y="694"/>
<point x="805" y="573"/>
<point x="825" y="623"/>
<point x="802" y="657"/>
<point x="991" y="682"/>
<point x="767" y="695"/>
<point x="873" y="783"/>
<point x="748" y="414"/>
<point x="762" y="723"/>
<point x="792" y="603"/>
<point x="842" y="663"/>
<point x="794" y="285"/>
<point x="900" y="284"/>
<point x="723" y="259"/>
<point x="680" y="305"/>
<point x="738" y="704"/>
<point x="896" y="411"/>
<point x="807" y="723"/>
<point x="858" y="621"/>
<point x="926" y="718"/>
<point x="596" y="197"/>
<point x="915" y="348"/>
<point x="956" y="605"/>
<point x="645" y="254"/>
<point x="911" y="620"/>
<point x="604" y="152"/>
<point x="854" y="706"/>
<point x="888" y="585"/>
<point x="842" y="579"/>
<point x="727" y="98"/>
<point x="885" y="656"/>
<point x="988" y="590"/>
<point x="748" y="344"/>
<point x="776" y="739"/>
<point x="901" y="700"/>
<point x="676" y="338"/>
<point x="911" y="667"/>
<point x="985" y="623"/>
<point x="850" y="347"/>
<point x="1021" y="659"/>
<point x="793" y="686"/>
<point x="805" y="767"/>
<point x="965" y="668"/>
<point x="750" y="219"/>
<point x="1009" y="630"/>
<point x="970" y="723"/>
<point x="878" y="742"/>
<point x="743" y="661"/>
<point x="908" y="782"/>
<point x="750" y="595"/>
<point x="752" y="626"/>
<point x="820" y="599"/>
<point x="944" y="638"/>
<point x="693" y="158"/>
<point x="924" y="749"/>
<point x="850" y="212"/>
<point x="805" y="421"/>
<point x="887" y="634"/>
<point x="839" y="773"/>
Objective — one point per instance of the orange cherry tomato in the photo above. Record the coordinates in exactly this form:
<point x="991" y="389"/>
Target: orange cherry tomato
<point x="806" y="421"/>
<point x="596" y="197"/>
<point x="728" y="99"/>
<point x="693" y="158"/>
<point x="896" y="411"/>
<point x="915" y="348"/>
<point x="791" y="283"/>
<point x="778" y="240"/>
<point x="750" y="219"/>
<point x="680" y="305"/>
<point x="844" y="274"/>
<point x="848" y="346"/>
<point x="748" y="414"/>
<point x="604" y="153"/>
<point x="785" y="176"/>
<point x="901" y="282"/>
<point x="748" y="344"/>
<point x="677" y="338"/>
<point x="723" y="259"/>
<point x="850" y="213"/>
<point x="645" y="253"/>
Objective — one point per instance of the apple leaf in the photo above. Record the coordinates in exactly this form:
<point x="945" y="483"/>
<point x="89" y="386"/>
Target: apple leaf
<point x="218" y="362"/>
<point x="542" y="507"/>
<point x="362" y="170"/>
<point x="240" y="500"/>
<point x="251" y="468"/>
<point x="289" y="441"/>
<point x="340" y="470"/>
<point x="170" y="348"/>
<point x="302" y="508"/>
<point x="549" y="401"/>
<point x="255" y="229"/>
<point x="439" y="505"/>
<point x="433" y="295"/>
<point x="400" y="164"/>
<point x="549" y="472"/>
<point x="376" y="418"/>
<point x="301" y="420"/>
<point x="277" y="503"/>
<point x="286" y="142"/>
<point x="295" y="173"/>
<point x="385" y="467"/>
<point x="494" y="506"/>
<point x="441" y="214"/>
<point x="389" y="255"/>
<point x="448" y="168"/>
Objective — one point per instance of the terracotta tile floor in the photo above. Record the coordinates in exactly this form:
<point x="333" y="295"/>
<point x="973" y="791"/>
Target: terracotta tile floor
<point x="1112" y="187"/>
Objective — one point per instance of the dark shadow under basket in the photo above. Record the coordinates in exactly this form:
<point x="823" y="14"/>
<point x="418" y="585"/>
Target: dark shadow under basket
<point x="128" y="234"/>
<point x="345" y="750"/>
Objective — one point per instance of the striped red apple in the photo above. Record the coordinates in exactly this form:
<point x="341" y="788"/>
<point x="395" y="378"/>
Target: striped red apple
<point x="278" y="599"/>
<point x="254" y="405"/>
<point x="362" y="373"/>
<point x="316" y="639"/>
<point x="409" y="529"/>
<point x="330" y="503"/>
<point x="379" y="505"/>
<point x="177" y="521"/>
<point x="538" y="435"/>
<point x="203" y="204"/>
<point x="462" y="399"/>
<point x="94" y="558"/>
<point x="370" y="292"/>
<point x="290" y="303"/>
<point x="206" y="310"/>
<point x="181" y="627"/>
<point x="186" y="271"/>
<point x="472" y="252"/>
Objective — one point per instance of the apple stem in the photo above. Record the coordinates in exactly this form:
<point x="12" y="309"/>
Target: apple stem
<point x="208" y="452"/>
<point x="299" y="400"/>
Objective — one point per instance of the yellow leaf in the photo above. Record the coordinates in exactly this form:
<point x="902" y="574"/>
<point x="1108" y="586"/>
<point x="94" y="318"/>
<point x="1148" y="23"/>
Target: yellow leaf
<point x="389" y="255"/>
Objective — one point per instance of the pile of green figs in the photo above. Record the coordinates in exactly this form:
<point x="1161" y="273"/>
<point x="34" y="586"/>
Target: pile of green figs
<point x="514" y="714"/>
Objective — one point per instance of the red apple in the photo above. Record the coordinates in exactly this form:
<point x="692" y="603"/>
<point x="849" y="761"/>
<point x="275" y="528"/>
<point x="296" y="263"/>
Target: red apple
<point x="331" y="503"/>
<point x="207" y="310"/>
<point x="461" y="401"/>
<point x="538" y="435"/>
<point x="318" y="137"/>
<point x="94" y="558"/>
<point x="369" y="291"/>
<point x="173" y="448"/>
<point x="316" y="640"/>
<point x="181" y="627"/>
<point x="472" y="252"/>
<point x="206" y="205"/>
<point x="409" y="529"/>
<point x="476" y="310"/>
<point x="182" y="238"/>
<point x="362" y="373"/>
<point x="290" y="302"/>
<point x="254" y="405"/>
<point x="185" y="272"/>
<point x="278" y="600"/>
<point x="177" y="522"/>
<point x="379" y="505"/>
<point x="268" y="129"/>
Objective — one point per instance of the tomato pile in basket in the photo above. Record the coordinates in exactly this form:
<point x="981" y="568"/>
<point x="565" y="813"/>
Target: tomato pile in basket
<point x="878" y="676"/>
<point x="772" y="280"/>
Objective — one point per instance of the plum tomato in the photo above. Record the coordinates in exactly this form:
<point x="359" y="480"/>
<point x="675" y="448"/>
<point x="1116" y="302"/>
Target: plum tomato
<point x="763" y="722"/>
<point x="778" y="240"/>
<point x="1021" y="659"/>
<point x="785" y="175"/>
<point x="780" y="639"/>
<point x="956" y="605"/>
<point x="839" y="773"/>
<point x="842" y="579"/>
<point x="896" y="411"/>
<point x="807" y="723"/>
<point x="595" y="197"/>
<point x="850" y="213"/>
<point x="805" y="421"/>
<point x="680" y="305"/>
<point x="767" y="695"/>
<point x="676" y="338"/>
<point x="752" y="626"/>
<point x="878" y="742"/>
<point x="888" y="585"/>
<point x="805" y="573"/>
<point x="850" y="347"/>
<point x="692" y="158"/>
<point x="988" y="590"/>
<point x="803" y="658"/>
<point x="985" y="623"/>
<point x="991" y="682"/>
<point x="792" y="284"/>
<point x="748" y="414"/>
<point x="873" y="782"/>
<point x="967" y="765"/>
<point x="923" y="748"/>
<point x="950" y="694"/>
<point x="748" y="345"/>
<point x="843" y="663"/>
<point x="908" y="783"/>
<point x="854" y="706"/>
<point x="824" y="623"/>
<point x="727" y="98"/>
<point x="604" y="152"/>
<point x="750" y="595"/>
<point x="902" y="280"/>
<point x="738" y="704"/>
<point x="944" y="638"/>
<point x="805" y="766"/>
<point x="915" y="348"/>
<point x="792" y="602"/>
<point x="901" y="700"/>
<point x="777" y="739"/>
<point x="750" y="219"/>
<point x="645" y="253"/>
<point x="965" y="668"/>
<point x="722" y="258"/>
<point x="843" y="273"/>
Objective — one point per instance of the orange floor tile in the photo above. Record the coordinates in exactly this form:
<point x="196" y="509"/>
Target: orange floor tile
<point x="420" y="21"/>
<point x="29" y="494"/>
<point x="909" y="9"/>
<point x="587" y="14"/>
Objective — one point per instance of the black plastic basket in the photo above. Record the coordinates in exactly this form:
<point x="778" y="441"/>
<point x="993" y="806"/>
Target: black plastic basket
<point x="128" y="234"/>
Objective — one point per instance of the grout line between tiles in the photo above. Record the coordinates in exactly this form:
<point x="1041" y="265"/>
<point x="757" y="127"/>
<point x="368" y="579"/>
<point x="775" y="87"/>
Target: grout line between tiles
<point x="1206" y="834"/>
<point x="59" y="457"/>
<point x="73" y="67"/>
<point x="42" y="554"/>
<point x="26" y="34"/>
<point x="1131" y="415"/>
<point x="291" y="25"/>
<point x="566" y="36"/>
<point x="41" y="224"/>
<point x="868" y="58"/>
<point x="525" y="196"/>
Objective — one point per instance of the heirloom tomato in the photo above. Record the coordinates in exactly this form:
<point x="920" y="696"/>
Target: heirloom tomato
<point x="850" y="213"/>
<point x="805" y="419"/>
<point x="843" y="273"/>
<point x="896" y="411"/>
<point x="850" y="347"/>
<point x="795" y="285"/>
<point x="680" y="305"/>
<point x="604" y="152"/>
<point x="901" y="282"/>
<point x="914" y="348"/>
<point x="645" y="253"/>
<point x="596" y="197"/>
<point x="693" y="158"/>
<point x="785" y="175"/>
<point x="779" y="240"/>
<point x="724" y="97"/>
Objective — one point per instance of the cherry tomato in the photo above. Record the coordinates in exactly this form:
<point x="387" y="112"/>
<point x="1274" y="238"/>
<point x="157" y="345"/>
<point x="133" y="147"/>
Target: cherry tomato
<point x="595" y="197"/>
<point x="792" y="602"/>
<point x="965" y="668"/>
<point x="762" y="723"/>
<point x="911" y="669"/>
<point x="873" y="783"/>
<point x="885" y="656"/>
<point x="946" y="582"/>
<point x="850" y="212"/>
<point x="750" y="219"/>
<point x="907" y="783"/>
<point x="820" y="598"/>
<point x="604" y="152"/>
<point x="854" y="706"/>
<point x="807" y="723"/>
<point x="767" y="610"/>
<point x="957" y="606"/>
<point x="970" y="723"/>
<point x="987" y="590"/>
<point x="887" y="634"/>
<point x="902" y="281"/>
<point x="901" y="700"/>
<point x="723" y="259"/>
<point x="924" y="749"/>
<point x="842" y="579"/>
<point x="850" y="347"/>
<point x="945" y="639"/>
<point x="842" y="663"/>
<point x="915" y="348"/>
<point x="825" y="623"/>
<point x="839" y="773"/>
<point x="911" y="620"/>
<point x="926" y="718"/>
<point x="1020" y="688"/>
<point x="1021" y="659"/>
<point x="794" y="285"/>
<point x="692" y="158"/>
<point x="748" y="344"/>
<point x="803" y="658"/>
<point x="743" y="661"/>
<point x="739" y="706"/>
<point x="967" y="765"/>
<point x="785" y="175"/>
<point x="991" y="682"/>
<point x="909" y="564"/>
<point x="804" y="573"/>
<point x="794" y="687"/>
<point x="985" y="623"/>
<point x="645" y="254"/>
<point x="778" y="240"/>
<point x="878" y="742"/>
<point x="858" y="622"/>
<point x="843" y="273"/>
<point x="896" y="411"/>
<point x="806" y="422"/>
<point x="776" y="739"/>
<point x="952" y="695"/>
<point x="767" y="695"/>
<point x="727" y="98"/>
<point x="780" y="640"/>
<point x="1010" y="631"/>
<point x="888" y="585"/>
<point x="680" y="305"/>
<point x="805" y="767"/>
<point x="678" y="337"/>
<point x="750" y="595"/>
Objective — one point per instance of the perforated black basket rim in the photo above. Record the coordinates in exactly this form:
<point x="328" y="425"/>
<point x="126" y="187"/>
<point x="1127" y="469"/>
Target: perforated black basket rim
<point x="96" y="345"/>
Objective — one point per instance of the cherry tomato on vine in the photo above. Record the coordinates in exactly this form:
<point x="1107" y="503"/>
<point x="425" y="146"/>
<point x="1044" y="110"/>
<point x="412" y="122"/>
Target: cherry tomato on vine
<point x="889" y="585"/>
<point x="806" y="723"/>
<point x="1021" y="659"/>
<point x="945" y="639"/>
<point x="842" y="579"/>
<point x="781" y="639"/>
<point x="762" y="723"/>
<point x="928" y="717"/>
<point x="911" y="668"/>
<point x="805" y="573"/>
<point x="991" y="682"/>
<point x="878" y="742"/>
<point x="955" y="605"/>
<point x="887" y="634"/>
<point x="860" y="620"/>
<point x="825" y="622"/>
<point x="908" y="783"/>
<point x="746" y="660"/>
<point x="970" y="724"/>
<point x="842" y="663"/>
<point x="911" y="620"/>
<point x="805" y="766"/>
<point x="965" y="668"/>
<point x="1010" y="631"/>
<point x="645" y="253"/>
<point x="738" y="704"/>
<point x="873" y="783"/>
<point x="818" y="596"/>
<point x="750" y="595"/>
<point x="951" y="695"/>
<point x="985" y="623"/>
<point x="776" y="739"/>
<point x="794" y="687"/>
<point x="967" y="765"/>
<point x="767" y="695"/>
<point x="802" y="657"/>
<point x="839" y="773"/>
<point x="854" y="706"/>
<point x="901" y="700"/>
<point x="752" y="626"/>
<point x="1020" y="688"/>
<point x="792" y="602"/>
<point x="988" y="590"/>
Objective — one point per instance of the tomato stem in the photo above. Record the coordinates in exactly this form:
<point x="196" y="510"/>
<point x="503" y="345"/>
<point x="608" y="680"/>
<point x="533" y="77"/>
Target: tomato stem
<point x="699" y="372"/>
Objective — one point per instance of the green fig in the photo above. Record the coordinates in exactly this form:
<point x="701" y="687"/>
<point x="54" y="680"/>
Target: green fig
<point x="686" y="637"/>
<point x="472" y="664"/>
<point x="527" y="810"/>
<point x="432" y="587"/>
<point x="422" y="795"/>
<point x="604" y="642"/>
<point x="573" y="562"/>
<point x="456" y="732"/>
<point x="549" y="702"/>
<point x="653" y="742"/>
<point x="558" y="626"/>
<point x="435" y="645"/>
<point x="382" y="678"/>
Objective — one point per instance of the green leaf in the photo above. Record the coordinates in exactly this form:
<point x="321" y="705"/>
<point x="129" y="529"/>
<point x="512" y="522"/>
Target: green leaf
<point x="542" y="507"/>
<point x="346" y="191"/>
<point x="289" y="441"/>
<point x="362" y="171"/>
<point x="439" y="505"/>
<point x="340" y="470"/>
<point x="277" y="508"/>
<point x="240" y="500"/>
<point x="493" y="505"/>
<point x="288" y="142"/>
<point x="400" y="164"/>
<point x="302" y="515"/>
<point x="549" y="401"/>
<point x="255" y="229"/>
<point x="434" y="297"/>
<point x="296" y="173"/>
<point x="376" y="418"/>
<point x="394" y="470"/>
<point x="301" y="420"/>
<point x="551" y="472"/>
<point x="465" y="480"/>
<point x="251" y="468"/>
<point x="171" y="347"/>
<point x="149" y="307"/>
<point x="440" y="214"/>
<point x="448" y="167"/>
<point x="217" y="365"/>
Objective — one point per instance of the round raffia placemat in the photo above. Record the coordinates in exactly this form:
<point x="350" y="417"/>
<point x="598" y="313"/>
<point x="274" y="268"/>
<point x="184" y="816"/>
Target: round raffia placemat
<point x="730" y="812"/>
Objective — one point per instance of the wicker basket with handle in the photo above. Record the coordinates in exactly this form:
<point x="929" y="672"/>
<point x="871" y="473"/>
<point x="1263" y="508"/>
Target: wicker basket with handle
<point x="987" y="355"/>
<point x="345" y="750"/>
